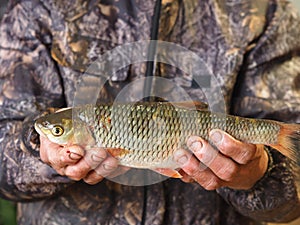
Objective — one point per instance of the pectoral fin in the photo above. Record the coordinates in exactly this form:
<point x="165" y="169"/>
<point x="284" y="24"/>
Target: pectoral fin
<point x="117" y="152"/>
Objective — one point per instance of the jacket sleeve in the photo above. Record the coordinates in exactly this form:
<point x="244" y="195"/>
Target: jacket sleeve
<point x="29" y="83"/>
<point x="269" y="87"/>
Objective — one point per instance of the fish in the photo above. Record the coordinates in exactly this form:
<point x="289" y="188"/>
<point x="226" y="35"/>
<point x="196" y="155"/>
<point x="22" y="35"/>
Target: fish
<point x="146" y="135"/>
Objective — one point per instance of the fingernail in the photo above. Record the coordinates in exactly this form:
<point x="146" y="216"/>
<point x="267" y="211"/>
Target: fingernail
<point x="109" y="167"/>
<point x="195" y="146"/>
<point x="216" y="137"/>
<point x="97" y="158"/>
<point x="75" y="156"/>
<point x="181" y="158"/>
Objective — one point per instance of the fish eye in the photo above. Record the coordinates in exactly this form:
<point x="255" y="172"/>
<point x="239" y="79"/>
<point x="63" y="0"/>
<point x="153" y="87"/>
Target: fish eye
<point x="57" y="130"/>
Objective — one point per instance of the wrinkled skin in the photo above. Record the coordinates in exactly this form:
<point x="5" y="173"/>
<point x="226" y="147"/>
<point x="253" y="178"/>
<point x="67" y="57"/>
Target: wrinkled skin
<point x="76" y="163"/>
<point x="237" y="165"/>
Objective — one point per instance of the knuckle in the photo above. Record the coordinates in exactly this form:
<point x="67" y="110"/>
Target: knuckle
<point x="247" y="155"/>
<point x="74" y="173"/>
<point x="228" y="173"/>
<point x="192" y="170"/>
<point x="209" y="156"/>
<point x="92" y="178"/>
<point x="52" y="161"/>
<point x="212" y="184"/>
<point x="75" y="178"/>
<point x="91" y="182"/>
<point x="62" y="159"/>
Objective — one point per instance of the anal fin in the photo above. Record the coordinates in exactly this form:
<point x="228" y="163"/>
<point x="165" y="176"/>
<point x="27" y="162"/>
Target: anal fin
<point x="168" y="172"/>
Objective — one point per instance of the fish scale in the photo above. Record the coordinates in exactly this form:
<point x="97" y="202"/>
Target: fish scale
<point x="139" y="123"/>
<point x="146" y="135"/>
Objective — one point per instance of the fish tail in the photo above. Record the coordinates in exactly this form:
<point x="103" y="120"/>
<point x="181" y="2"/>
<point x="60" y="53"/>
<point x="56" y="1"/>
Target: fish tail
<point x="288" y="141"/>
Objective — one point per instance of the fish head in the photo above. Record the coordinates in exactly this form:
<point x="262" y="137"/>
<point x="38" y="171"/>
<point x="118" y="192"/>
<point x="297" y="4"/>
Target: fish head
<point x="57" y="127"/>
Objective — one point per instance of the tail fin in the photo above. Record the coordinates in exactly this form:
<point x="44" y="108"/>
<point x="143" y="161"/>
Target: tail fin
<point x="289" y="141"/>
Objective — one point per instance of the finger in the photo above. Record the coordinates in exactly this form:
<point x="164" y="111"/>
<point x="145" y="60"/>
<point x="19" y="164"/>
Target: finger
<point x="58" y="156"/>
<point x="77" y="171"/>
<point x="119" y="171"/>
<point x="94" y="157"/>
<point x="203" y="151"/>
<point x="93" y="178"/>
<point x="107" y="167"/>
<point x="185" y="177"/>
<point x="193" y="168"/>
<point x="71" y="154"/>
<point x="240" y="152"/>
<point x="90" y="161"/>
<point x="65" y="156"/>
<point x="223" y="167"/>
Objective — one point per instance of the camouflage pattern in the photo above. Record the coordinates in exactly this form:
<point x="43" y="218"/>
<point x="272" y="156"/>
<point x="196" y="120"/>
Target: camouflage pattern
<point x="252" y="48"/>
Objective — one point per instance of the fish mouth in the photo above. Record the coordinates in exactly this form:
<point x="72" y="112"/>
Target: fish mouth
<point x="39" y="129"/>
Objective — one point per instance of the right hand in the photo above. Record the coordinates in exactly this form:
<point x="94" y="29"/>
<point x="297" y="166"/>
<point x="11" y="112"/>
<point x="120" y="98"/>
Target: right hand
<point x="76" y="163"/>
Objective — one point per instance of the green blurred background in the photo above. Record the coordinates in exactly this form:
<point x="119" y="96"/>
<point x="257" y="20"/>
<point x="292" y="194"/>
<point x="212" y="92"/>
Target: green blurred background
<point x="8" y="209"/>
<point x="7" y="213"/>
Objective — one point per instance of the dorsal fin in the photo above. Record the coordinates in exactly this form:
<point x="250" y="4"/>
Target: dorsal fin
<point x="192" y="105"/>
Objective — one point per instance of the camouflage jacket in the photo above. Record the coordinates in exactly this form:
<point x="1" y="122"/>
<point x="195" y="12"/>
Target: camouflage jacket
<point x="252" y="48"/>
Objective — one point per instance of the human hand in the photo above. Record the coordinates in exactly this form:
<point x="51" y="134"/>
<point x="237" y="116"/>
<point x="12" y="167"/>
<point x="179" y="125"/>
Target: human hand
<point x="235" y="164"/>
<point x="76" y="163"/>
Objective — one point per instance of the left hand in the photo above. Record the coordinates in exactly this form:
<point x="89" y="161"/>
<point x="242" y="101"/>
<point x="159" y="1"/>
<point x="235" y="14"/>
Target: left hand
<point x="236" y="165"/>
